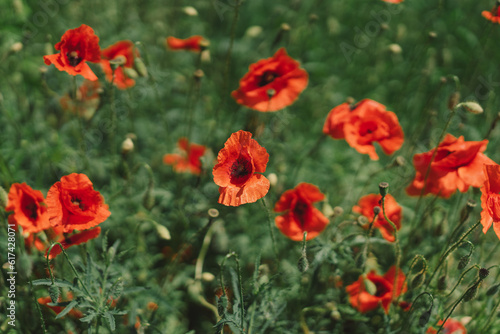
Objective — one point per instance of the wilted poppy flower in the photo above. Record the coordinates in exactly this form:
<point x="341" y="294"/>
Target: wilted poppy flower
<point x="300" y="214"/>
<point x="494" y="14"/>
<point x="490" y="199"/>
<point x="272" y="84"/>
<point x="74" y="204"/>
<point x="124" y="53"/>
<point x="382" y="292"/>
<point x="363" y="124"/>
<point x="189" y="158"/>
<point x="86" y="102"/>
<point x="29" y="208"/>
<point x="190" y="44"/>
<point x="76" y="239"/>
<point x="392" y="209"/>
<point x="457" y="164"/>
<point x="77" y="46"/>
<point x="235" y="174"/>
<point x="58" y="309"/>
<point x="451" y="326"/>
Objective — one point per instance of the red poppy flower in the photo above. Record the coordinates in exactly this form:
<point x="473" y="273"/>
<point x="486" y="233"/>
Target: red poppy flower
<point x="190" y="44"/>
<point x="58" y="309"/>
<point x="77" y="46"/>
<point x="189" y="158"/>
<point x="74" y="204"/>
<point x="364" y="123"/>
<point x="301" y="215"/>
<point x="393" y="1"/>
<point x="272" y="84"/>
<point x="451" y="326"/>
<point x="75" y="239"/>
<point x="383" y="293"/>
<point x="457" y="164"/>
<point x="392" y="209"/>
<point x="29" y="208"/>
<point x="52" y="234"/>
<point x="235" y="174"/>
<point x="127" y="52"/>
<point x="86" y="102"/>
<point x="493" y="15"/>
<point x="490" y="199"/>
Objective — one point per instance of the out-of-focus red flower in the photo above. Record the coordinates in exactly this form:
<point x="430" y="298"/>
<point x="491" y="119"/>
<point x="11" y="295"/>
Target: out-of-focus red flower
<point x="458" y="164"/>
<point x="77" y="46"/>
<point x="451" y="326"/>
<point x="58" y="309"/>
<point x="392" y="209"/>
<point x="190" y="44"/>
<point x="75" y="239"/>
<point x="363" y="124"/>
<point x="490" y="199"/>
<point x="384" y="291"/>
<point x="74" y="204"/>
<point x="493" y="15"/>
<point x="393" y="1"/>
<point x="35" y="240"/>
<point x="124" y="52"/>
<point x="29" y="208"/>
<point x="189" y="158"/>
<point x="236" y="172"/>
<point x="86" y="102"/>
<point x="300" y="214"/>
<point x="272" y="84"/>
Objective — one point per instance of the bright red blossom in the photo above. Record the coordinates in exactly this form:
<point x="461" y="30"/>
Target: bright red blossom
<point x="490" y="199"/>
<point x="272" y="84"/>
<point x="493" y="15"/>
<point x="392" y="209"/>
<point x="125" y="50"/>
<point x="300" y="214"/>
<point x="384" y="291"/>
<point x="190" y="44"/>
<point x="457" y="164"/>
<point x="75" y="239"/>
<point x="236" y="172"/>
<point x="363" y="124"/>
<point x="189" y="158"/>
<point x="74" y="204"/>
<point x="393" y="1"/>
<point x="451" y="326"/>
<point x="29" y="208"/>
<point x="77" y="46"/>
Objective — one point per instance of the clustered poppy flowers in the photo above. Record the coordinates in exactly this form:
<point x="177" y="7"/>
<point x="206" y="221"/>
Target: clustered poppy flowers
<point x="364" y="123"/>
<point x="238" y="170"/>
<point x="456" y="165"/>
<point x="383" y="292"/>
<point x="300" y="215"/>
<point x="392" y="209"/>
<point x="188" y="160"/>
<point x="71" y="204"/>
<point x="272" y="84"/>
<point x="124" y="53"/>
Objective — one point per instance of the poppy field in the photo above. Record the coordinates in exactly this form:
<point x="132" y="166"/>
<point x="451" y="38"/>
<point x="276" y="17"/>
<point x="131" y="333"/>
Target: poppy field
<point x="246" y="166"/>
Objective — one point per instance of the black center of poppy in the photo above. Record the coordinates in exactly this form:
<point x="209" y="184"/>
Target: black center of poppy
<point x="32" y="211"/>
<point x="381" y="289"/>
<point x="300" y="211"/>
<point x="368" y="127"/>
<point x="267" y="78"/>
<point x="78" y="202"/>
<point x="73" y="58"/>
<point x="241" y="170"/>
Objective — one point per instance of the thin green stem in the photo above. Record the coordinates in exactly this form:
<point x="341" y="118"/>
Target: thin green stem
<point x="397" y="249"/>
<point x="461" y="278"/>
<point x="38" y="307"/>
<point x="271" y="231"/>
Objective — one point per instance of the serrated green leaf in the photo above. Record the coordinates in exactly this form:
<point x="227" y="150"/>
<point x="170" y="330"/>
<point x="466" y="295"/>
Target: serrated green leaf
<point x="111" y="320"/>
<point x="89" y="317"/>
<point x="118" y="312"/>
<point x="68" y="308"/>
<point x="57" y="282"/>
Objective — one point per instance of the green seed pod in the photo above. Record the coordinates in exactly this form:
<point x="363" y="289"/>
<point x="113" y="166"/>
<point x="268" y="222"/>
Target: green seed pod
<point x="424" y="318"/>
<point x="464" y="261"/>
<point x="303" y="264"/>
<point x="383" y="188"/>
<point x="471" y="293"/>
<point x="418" y="280"/>
<point x="493" y="290"/>
<point x="442" y="283"/>
<point x="54" y="293"/>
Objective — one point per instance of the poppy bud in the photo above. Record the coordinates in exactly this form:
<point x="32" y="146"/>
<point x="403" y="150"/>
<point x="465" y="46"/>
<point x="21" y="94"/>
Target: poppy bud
<point x="400" y="161"/>
<point x="471" y="293"/>
<point x="190" y="11"/>
<point x="472" y="107"/>
<point x="198" y="74"/>
<point x="303" y="264"/>
<point x="338" y="211"/>
<point x="383" y="188"/>
<point x="483" y="273"/>
<point x="418" y="280"/>
<point x="119" y="60"/>
<point x="453" y="100"/>
<point x="204" y="44"/>
<point x="493" y="290"/>
<point x="148" y="200"/>
<point x="54" y="293"/>
<point x="464" y="261"/>
<point x="424" y="318"/>
<point x="327" y="210"/>
<point x="130" y="72"/>
<point x="273" y="179"/>
<point x="442" y="283"/>
<point x="3" y="198"/>
<point x="376" y="210"/>
<point x="395" y="48"/>
<point x="127" y="146"/>
<point x="16" y="47"/>
<point x="140" y="67"/>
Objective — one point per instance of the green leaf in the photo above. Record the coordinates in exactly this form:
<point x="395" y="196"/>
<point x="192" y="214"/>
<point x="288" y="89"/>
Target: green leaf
<point x="111" y="320"/>
<point x="57" y="282"/>
<point x="67" y="309"/>
<point x="89" y="317"/>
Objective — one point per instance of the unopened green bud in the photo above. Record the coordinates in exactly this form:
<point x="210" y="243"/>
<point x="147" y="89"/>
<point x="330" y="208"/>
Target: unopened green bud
<point x="472" y="107"/>
<point x="54" y="293"/>
<point x="383" y="188"/>
<point x="418" y="280"/>
<point x="493" y="290"/>
<point x="424" y="318"/>
<point x="471" y="293"/>
<point x="442" y="283"/>
<point x="303" y="263"/>
<point x="464" y="261"/>
<point x="3" y="198"/>
<point x="140" y="67"/>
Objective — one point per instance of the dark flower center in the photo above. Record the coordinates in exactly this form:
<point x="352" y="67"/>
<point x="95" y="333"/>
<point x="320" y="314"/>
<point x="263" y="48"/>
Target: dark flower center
<point x="368" y="128"/>
<point x="32" y="211"/>
<point x="78" y="202"/>
<point x="267" y="78"/>
<point x="73" y="58"/>
<point x="300" y="210"/>
<point x="382" y="289"/>
<point x="241" y="170"/>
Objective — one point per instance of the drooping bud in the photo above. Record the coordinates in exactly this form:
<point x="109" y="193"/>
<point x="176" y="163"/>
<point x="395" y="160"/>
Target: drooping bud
<point x="464" y="261"/>
<point x="471" y="293"/>
<point x="140" y="67"/>
<point x="424" y="318"/>
<point x="418" y="280"/>
<point x="376" y="210"/>
<point x="190" y="11"/>
<point x="493" y="290"/>
<point x="472" y="107"/>
<point x="303" y="264"/>
<point x="483" y="273"/>
<point x="441" y="285"/>
<point x="127" y="146"/>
